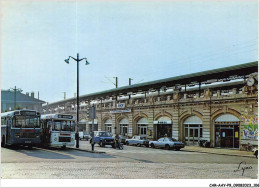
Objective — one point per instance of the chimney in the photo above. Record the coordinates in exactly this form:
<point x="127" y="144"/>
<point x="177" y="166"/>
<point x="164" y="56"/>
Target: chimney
<point x="32" y="94"/>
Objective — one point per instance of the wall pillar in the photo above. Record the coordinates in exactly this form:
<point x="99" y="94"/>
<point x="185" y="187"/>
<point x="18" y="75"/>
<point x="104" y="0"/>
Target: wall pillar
<point x="208" y="132"/>
<point x="130" y="125"/>
<point x="114" y="130"/>
<point x="99" y="121"/>
<point x="175" y="125"/>
<point x="88" y="128"/>
<point x="151" y="127"/>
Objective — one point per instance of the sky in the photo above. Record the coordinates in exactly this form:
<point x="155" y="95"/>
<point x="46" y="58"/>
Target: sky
<point x="143" y="40"/>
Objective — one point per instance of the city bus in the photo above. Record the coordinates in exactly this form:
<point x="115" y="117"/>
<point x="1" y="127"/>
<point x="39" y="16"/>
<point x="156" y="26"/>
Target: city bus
<point x="58" y="130"/>
<point x="20" y="127"/>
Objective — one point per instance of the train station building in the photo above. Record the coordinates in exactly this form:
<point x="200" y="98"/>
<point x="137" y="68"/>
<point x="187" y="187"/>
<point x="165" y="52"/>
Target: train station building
<point x="220" y="106"/>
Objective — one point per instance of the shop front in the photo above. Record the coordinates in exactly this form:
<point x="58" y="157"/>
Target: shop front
<point x="163" y="127"/>
<point x="193" y="130"/>
<point x="227" y="131"/>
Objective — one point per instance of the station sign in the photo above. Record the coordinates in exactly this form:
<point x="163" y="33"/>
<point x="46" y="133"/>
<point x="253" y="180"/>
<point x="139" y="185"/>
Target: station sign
<point x="120" y="111"/>
<point x="162" y="122"/>
<point x="120" y="105"/>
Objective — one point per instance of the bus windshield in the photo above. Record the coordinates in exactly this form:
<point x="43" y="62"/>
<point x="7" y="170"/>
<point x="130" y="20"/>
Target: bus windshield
<point x="63" y="125"/>
<point x="26" y="122"/>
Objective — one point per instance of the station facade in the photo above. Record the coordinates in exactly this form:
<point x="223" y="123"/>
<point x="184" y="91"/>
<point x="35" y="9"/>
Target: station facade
<point x="225" y="112"/>
<point x="226" y="121"/>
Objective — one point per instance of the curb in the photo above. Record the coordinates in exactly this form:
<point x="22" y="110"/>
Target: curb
<point x="88" y="150"/>
<point x="221" y="153"/>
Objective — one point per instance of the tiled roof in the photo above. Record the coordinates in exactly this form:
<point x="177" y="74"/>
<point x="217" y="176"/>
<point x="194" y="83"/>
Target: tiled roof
<point x="8" y="96"/>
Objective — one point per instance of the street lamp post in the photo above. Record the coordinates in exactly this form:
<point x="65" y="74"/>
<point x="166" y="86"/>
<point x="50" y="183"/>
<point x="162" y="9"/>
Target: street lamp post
<point x="77" y="60"/>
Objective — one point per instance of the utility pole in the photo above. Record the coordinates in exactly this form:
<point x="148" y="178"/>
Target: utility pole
<point x="116" y="84"/>
<point x="15" y="90"/>
<point x="130" y="81"/>
<point x="92" y="115"/>
<point x="77" y="128"/>
<point x="64" y="95"/>
<point x="15" y="96"/>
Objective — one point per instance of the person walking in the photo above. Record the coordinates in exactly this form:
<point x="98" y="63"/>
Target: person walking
<point x="117" y="141"/>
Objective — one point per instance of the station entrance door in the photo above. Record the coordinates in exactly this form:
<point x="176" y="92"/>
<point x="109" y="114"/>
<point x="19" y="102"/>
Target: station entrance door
<point x="193" y="130"/>
<point x="163" y="127"/>
<point x="227" y="131"/>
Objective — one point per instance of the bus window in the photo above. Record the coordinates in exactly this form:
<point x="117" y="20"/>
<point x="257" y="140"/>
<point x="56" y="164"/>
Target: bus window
<point x="2" y="121"/>
<point x="72" y="126"/>
<point x="32" y="122"/>
<point x="26" y="122"/>
<point x="57" y="126"/>
<point x="19" y="121"/>
<point x="65" y="125"/>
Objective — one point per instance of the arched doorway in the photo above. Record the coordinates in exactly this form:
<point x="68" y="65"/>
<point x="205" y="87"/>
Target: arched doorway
<point x="227" y="131"/>
<point x="123" y="127"/>
<point x="108" y="125"/>
<point x="193" y="130"/>
<point x="163" y="127"/>
<point x="142" y="127"/>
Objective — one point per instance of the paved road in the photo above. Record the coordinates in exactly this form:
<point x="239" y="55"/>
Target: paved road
<point x="132" y="162"/>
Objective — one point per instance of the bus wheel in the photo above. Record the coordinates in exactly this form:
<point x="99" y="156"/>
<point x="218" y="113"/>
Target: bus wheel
<point x="63" y="147"/>
<point x="3" y="142"/>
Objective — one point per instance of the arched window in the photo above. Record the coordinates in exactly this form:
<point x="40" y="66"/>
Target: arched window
<point x="108" y="125"/>
<point x="142" y="127"/>
<point x="123" y="127"/>
<point x="193" y="130"/>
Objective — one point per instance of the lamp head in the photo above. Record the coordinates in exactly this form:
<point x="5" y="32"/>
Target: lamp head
<point x="67" y="61"/>
<point x="87" y="63"/>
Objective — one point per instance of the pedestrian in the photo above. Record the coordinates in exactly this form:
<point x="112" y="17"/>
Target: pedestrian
<point x="117" y="140"/>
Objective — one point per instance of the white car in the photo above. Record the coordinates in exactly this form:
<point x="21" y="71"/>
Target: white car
<point x="137" y="141"/>
<point x="166" y="143"/>
<point x="84" y="135"/>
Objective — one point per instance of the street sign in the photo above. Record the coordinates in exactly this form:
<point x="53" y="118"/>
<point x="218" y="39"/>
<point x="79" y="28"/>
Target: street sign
<point x="92" y="112"/>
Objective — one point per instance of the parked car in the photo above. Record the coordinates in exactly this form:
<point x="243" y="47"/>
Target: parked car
<point x="84" y="135"/>
<point x="137" y="141"/>
<point x="167" y="143"/>
<point x="103" y="138"/>
<point x="80" y="135"/>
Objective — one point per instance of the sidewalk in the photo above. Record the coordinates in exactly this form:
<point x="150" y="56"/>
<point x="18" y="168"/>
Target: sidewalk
<point x="219" y="151"/>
